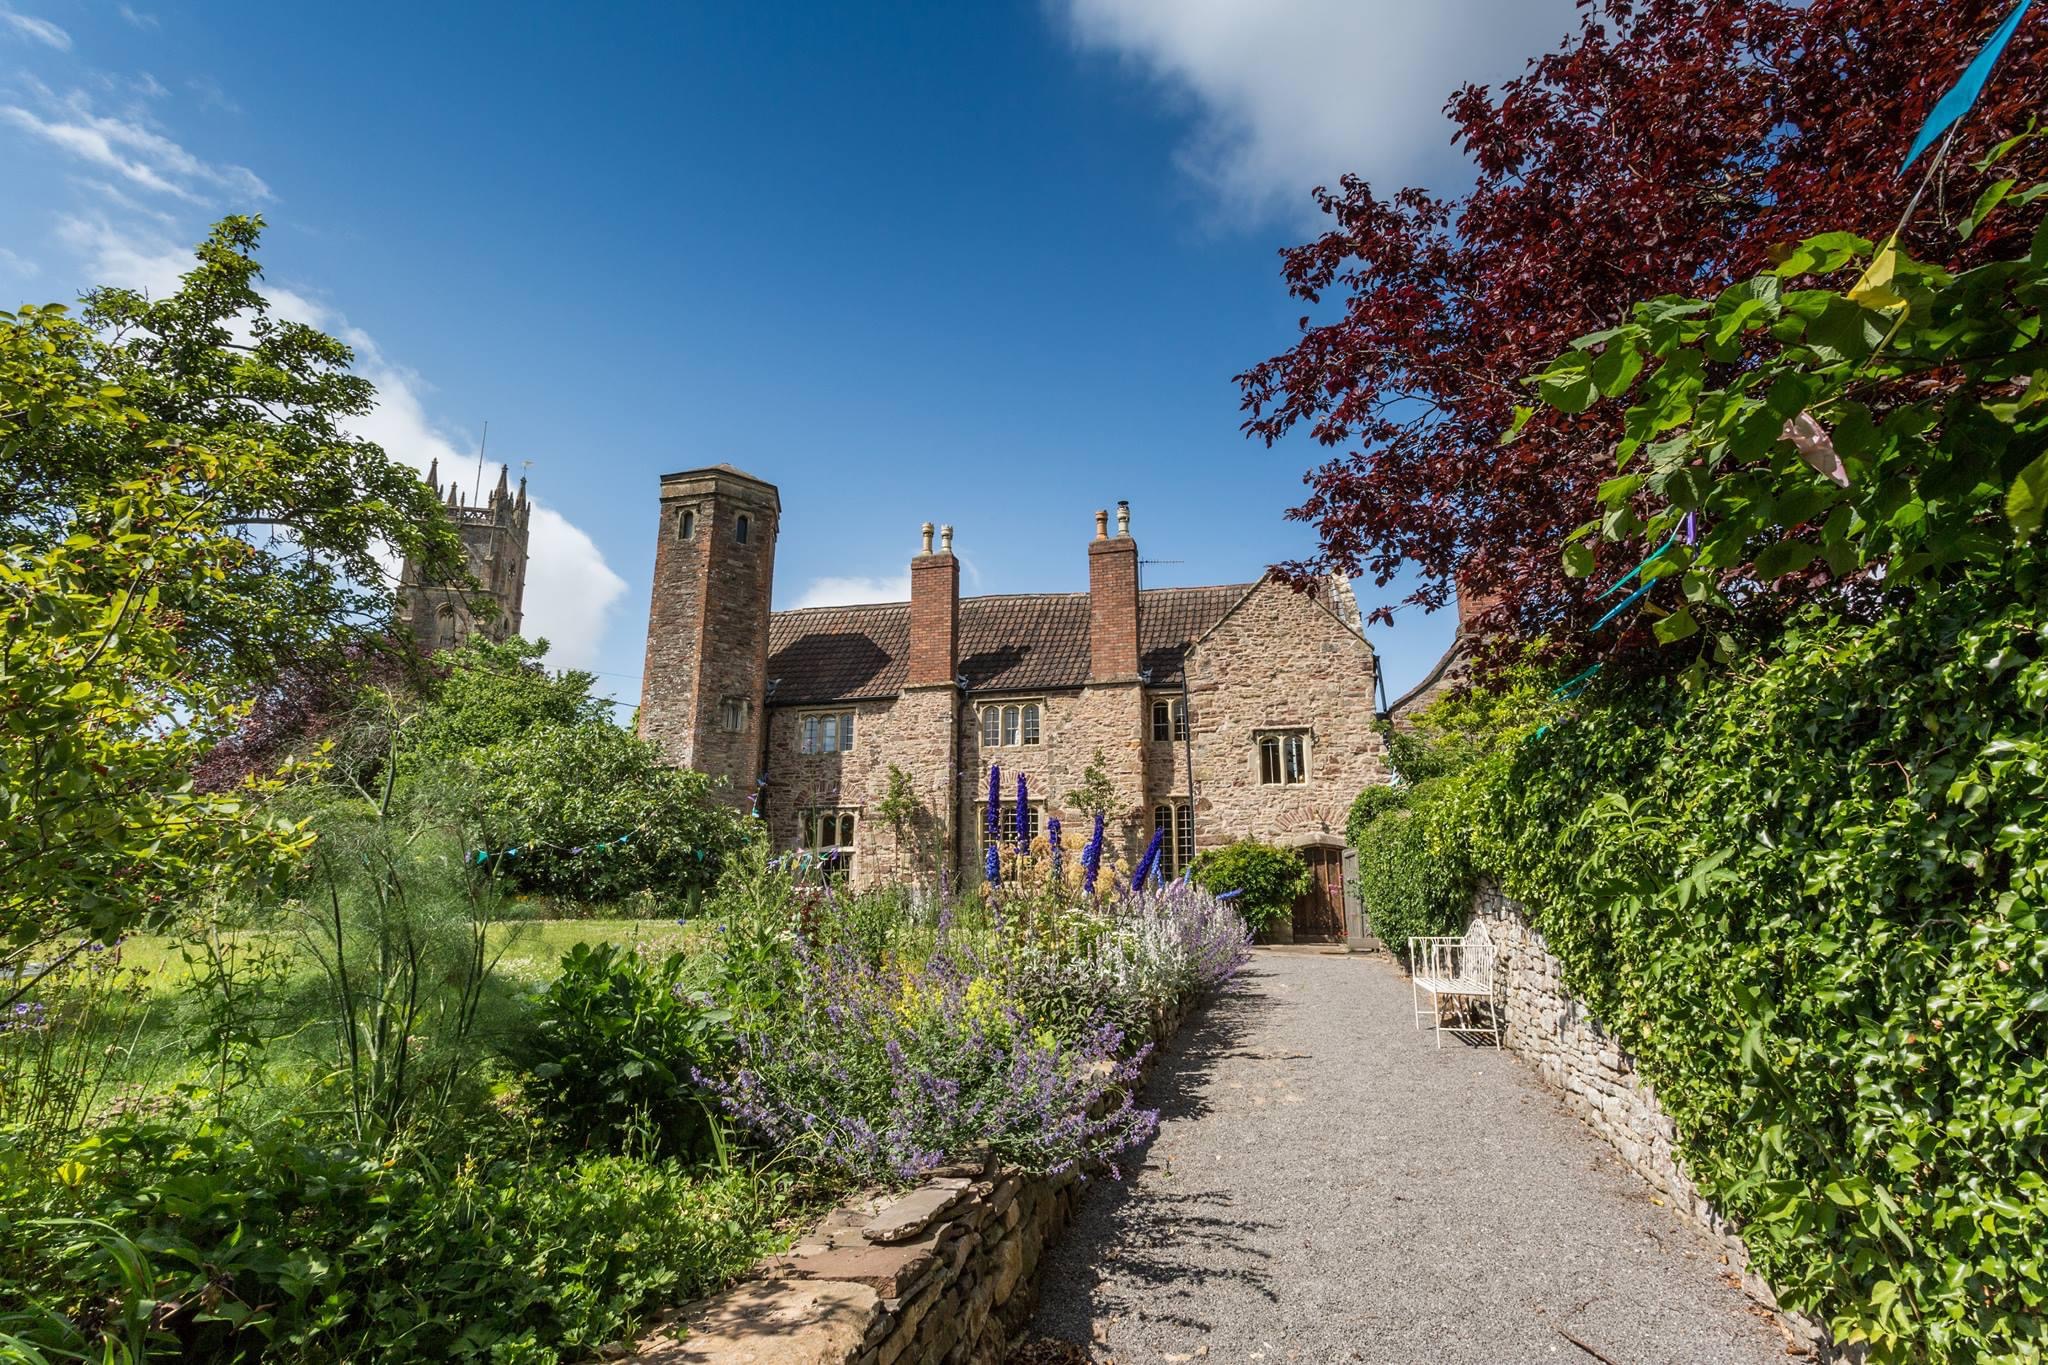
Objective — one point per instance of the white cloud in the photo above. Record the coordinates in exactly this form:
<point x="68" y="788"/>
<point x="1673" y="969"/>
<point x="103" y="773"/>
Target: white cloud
<point x="571" y="592"/>
<point x="18" y="265"/>
<point x="842" y="592"/>
<point x="36" y="30"/>
<point x="114" y="255"/>
<point x="1291" y="94"/>
<point x="136" y="153"/>
<point x="139" y="19"/>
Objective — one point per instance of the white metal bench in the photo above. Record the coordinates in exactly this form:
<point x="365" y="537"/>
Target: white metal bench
<point x="1460" y="968"/>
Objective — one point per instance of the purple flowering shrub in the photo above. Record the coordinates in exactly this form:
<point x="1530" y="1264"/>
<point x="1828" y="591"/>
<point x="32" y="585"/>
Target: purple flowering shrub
<point x="884" y="1072"/>
<point x="1023" y="1033"/>
<point x="1155" y="949"/>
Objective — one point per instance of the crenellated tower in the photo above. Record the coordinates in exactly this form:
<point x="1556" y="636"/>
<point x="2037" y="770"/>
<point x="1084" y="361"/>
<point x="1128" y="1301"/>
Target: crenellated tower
<point x="704" y="692"/>
<point x="494" y="537"/>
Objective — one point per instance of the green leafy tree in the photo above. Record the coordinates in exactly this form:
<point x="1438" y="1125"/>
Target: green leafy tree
<point x="210" y="368"/>
<point x="593" y="813"/>
<point x="1852" y="423"/>
<point x="491" y="692"/>
<point x="104" y="710"/>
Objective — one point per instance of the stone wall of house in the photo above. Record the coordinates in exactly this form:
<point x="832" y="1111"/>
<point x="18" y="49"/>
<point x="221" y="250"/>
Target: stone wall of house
<point x="1074" y="726"/>
<point x="911" y="731"/>
<point x="1280" y="661"/>
<point x="1549" y="1028"/>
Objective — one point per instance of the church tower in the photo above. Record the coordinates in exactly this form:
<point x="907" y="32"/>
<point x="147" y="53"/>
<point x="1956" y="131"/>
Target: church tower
<point x="704" y="691"/>
<point x="443" y="615"/>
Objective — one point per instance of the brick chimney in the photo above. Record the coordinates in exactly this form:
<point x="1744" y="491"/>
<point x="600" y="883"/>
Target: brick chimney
<point x="1473" y="603"/>
<point x="934" y="613"/>
<point x="1113" y="600"/>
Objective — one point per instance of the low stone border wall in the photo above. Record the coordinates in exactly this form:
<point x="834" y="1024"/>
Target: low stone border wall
<point x="1548" y="1027"/>
<point x="942" y="1274"/>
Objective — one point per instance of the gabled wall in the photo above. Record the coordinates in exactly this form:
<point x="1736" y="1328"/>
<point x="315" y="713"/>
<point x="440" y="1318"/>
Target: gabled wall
<point x="1280" y="660"/>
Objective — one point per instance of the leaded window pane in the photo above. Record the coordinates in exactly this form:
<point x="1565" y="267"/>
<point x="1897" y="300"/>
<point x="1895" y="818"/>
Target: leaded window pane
<point x="1269" y="759"/>
<point x="1031" y="725"/>
<point x="846" y="731"/>
<point x="990" y="733"/>
<point x="828" y="732"/>
<point x="1009" y="725"/>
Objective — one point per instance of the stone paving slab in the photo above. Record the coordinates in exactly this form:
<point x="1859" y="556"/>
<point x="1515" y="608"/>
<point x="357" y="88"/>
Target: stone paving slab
<point x="1329" y="1187"/>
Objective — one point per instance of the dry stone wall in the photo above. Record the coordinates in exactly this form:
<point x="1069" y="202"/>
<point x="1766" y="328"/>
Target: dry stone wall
<point x="1550" y="1029"/>
<point x="943" y="1274"/>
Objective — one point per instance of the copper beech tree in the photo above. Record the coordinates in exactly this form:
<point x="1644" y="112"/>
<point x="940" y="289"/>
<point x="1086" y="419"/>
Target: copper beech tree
<point x="1665" y="147"/>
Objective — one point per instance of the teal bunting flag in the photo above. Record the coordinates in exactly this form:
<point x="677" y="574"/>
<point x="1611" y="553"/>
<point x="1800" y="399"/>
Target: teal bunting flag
<point x="1962" y="96"/>
<point x="485" y="855"/>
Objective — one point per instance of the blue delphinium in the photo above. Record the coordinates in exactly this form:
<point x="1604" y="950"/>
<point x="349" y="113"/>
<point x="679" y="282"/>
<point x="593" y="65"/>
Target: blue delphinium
<point x="994" y="864"/>
<point x="1143" y="871"/>
<point x="1052" y="838"/>
<point x="1091" y="858"/>
<point x="1023" y="817"/>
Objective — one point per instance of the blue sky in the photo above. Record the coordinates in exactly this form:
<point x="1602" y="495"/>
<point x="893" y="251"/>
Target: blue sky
<point x="992" y="265"/>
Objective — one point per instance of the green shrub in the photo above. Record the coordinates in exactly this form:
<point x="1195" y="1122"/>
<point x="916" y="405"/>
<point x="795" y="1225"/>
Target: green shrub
<point x="564" y="795"/>
<point x="1414" y="878"/>
<point x="1270" y="879"/>
<point x="1371" y="804"/>
<point x="208" y="1244"/>
<point x="617" y="1040"/>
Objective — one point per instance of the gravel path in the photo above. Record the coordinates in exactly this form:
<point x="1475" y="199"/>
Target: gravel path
<point x="1327" y="1186"/>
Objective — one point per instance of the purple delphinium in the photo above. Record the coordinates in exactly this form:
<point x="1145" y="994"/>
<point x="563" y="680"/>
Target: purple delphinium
<point x="994" y="863"/>
<point x="1091" y="858"/>
<point x="1052" y="839"/>
<point x="1142" y="873"/>
<point x="1023" y="817"/>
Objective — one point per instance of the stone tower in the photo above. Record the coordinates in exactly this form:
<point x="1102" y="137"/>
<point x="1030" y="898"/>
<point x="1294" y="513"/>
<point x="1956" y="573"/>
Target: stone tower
<point x="442" y="615"/>
<point x="704" y="691"/>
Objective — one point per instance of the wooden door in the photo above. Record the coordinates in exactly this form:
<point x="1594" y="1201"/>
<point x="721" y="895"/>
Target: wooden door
<point x="1319" y="914"/>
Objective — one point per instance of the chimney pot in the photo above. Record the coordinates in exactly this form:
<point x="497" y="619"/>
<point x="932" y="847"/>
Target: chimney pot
<point x="1123" y="518"/>
<point x="1102" y="524"/>
<point x="945" y="540"/>
<point x="927" y="538"/>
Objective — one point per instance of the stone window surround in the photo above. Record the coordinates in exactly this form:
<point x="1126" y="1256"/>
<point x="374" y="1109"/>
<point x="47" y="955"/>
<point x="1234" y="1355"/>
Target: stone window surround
<point x="834" y="830"/>
<point x="1281" y="734"/>
<point x="732" y="715"/>
<point x="1173" y="713"/>
<point x="686" y="522"/>
<point x="842" y="718"/>
<point x="1030" y="722"/>
<point x="1177" y="849"/>
<point x="1006" y="821"/>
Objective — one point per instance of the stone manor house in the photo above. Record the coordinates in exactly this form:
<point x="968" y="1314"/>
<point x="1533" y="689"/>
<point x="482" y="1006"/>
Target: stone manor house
<point x="1216" y="712"/>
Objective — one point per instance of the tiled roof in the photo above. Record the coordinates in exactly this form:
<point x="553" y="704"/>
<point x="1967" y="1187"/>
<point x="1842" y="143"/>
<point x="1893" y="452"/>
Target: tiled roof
<point x="1007" y="644"/>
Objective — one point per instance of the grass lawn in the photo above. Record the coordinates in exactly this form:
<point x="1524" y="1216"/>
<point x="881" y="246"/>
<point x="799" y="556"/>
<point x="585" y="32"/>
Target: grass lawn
<point x="528" y="950"/>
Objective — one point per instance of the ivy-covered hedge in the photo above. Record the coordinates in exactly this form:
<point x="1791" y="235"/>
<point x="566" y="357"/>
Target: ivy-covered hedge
<point x="1810" y="901"/>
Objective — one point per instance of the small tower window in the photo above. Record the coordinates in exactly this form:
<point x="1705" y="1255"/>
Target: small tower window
<point x="740" y="527"/>
<point x="732" y="715"/>
<point x="686" y="525"/>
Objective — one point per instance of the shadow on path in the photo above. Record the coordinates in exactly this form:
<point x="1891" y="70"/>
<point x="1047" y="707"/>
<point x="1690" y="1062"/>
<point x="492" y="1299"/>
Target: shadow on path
<point x="1327" y="1185"/>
